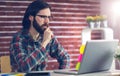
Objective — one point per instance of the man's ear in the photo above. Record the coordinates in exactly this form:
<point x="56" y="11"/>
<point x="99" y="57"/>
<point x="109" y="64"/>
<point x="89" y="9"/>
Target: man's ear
<point x="31" y="18"/>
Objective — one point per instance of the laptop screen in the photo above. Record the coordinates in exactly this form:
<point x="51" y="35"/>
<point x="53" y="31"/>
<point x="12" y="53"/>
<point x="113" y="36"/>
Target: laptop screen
<point x="98" y="55"/>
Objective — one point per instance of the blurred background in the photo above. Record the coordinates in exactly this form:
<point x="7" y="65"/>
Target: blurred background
<point x="69" y="19"/>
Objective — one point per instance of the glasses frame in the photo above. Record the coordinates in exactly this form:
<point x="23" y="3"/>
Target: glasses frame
<point x="44" y="16"/>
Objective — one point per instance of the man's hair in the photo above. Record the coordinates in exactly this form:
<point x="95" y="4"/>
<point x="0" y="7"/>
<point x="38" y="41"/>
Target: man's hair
<point x="32" y="10"/>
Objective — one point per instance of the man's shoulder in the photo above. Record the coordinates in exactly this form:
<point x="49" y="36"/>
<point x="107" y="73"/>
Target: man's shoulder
<point x="19" y="34"/>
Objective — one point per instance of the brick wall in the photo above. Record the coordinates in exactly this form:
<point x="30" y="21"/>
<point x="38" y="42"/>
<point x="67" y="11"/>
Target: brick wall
<point x="68" y="21"/>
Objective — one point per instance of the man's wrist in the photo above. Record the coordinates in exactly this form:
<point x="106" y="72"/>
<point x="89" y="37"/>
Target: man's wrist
<point x="44" y="44"/>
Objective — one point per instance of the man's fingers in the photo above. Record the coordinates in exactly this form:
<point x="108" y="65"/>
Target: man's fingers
<point x="47" y="29"/>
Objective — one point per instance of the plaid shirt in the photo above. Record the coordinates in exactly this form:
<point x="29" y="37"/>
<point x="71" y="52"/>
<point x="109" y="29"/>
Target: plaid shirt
<point x="28" y="55"/>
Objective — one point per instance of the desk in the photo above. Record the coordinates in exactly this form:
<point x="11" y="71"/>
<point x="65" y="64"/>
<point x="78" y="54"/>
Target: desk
<point x="104" y="73"/>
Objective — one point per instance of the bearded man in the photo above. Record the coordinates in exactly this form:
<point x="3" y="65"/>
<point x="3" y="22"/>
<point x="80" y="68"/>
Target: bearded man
<point x="31" y="46"/>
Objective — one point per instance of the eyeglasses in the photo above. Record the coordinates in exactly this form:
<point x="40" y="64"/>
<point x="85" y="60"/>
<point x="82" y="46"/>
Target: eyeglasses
<point x="43" y="16"/>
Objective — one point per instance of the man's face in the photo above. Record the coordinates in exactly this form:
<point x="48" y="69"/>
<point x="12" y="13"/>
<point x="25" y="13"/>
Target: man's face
<point x="41" y="20"/>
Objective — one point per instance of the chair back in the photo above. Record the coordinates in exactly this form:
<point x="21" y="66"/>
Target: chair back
<point x="5" y="66"/>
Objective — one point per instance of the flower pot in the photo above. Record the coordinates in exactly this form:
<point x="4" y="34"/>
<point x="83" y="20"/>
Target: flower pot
<point x="91" y="24"/>
<point x="104" y="24"/>
<point x="97" y="24"/>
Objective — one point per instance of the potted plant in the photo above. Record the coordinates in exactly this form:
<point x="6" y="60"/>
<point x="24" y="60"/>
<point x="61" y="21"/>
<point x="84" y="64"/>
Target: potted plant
<point x="97" y="21"/>
<point x="90" y="21"/>
<point x="117" y="58"/>
<point x="103" y="20"/>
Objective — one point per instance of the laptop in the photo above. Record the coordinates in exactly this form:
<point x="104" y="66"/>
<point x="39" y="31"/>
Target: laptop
<point x="98" y="56"/>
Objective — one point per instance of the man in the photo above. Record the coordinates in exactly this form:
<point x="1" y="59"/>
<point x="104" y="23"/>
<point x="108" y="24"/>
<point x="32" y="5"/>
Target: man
<point x="31" y="46"/>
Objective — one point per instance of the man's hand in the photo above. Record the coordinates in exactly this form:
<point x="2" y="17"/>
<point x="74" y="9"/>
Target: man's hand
<point x="47" y="37"/>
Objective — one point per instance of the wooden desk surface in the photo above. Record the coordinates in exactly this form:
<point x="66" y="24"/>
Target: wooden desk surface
<point x="104" y="73"/>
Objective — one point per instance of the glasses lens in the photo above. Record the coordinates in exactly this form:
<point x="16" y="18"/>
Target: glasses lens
<point x="43" y="16"/>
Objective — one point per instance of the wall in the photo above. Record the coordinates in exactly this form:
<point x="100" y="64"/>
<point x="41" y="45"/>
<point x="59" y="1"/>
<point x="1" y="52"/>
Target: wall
<point x="112" y="14"/>
<point x="67" y="24"/>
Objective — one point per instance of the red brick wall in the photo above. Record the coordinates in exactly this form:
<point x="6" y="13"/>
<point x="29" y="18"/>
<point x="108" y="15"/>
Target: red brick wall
<point x="68" y="21"/>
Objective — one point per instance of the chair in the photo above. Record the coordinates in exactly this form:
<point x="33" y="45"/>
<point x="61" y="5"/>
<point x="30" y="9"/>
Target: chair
<point x="5" y="66"/>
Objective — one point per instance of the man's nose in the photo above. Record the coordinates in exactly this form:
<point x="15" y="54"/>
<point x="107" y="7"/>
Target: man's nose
<point x="46" y="20"/>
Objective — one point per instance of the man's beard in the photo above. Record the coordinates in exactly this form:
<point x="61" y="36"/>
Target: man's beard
<point x="40" y="28"/>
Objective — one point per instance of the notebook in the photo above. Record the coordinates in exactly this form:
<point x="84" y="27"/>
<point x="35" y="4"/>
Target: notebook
<point x="38" y="73"/>
<point x="98" y="56"/>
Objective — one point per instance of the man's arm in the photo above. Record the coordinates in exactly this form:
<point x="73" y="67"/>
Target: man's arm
<point x="58" y="52"/>
<point x="26" y="61"/>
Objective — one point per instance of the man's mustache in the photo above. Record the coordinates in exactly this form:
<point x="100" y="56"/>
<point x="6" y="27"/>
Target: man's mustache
<point x="46" y="24"/>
